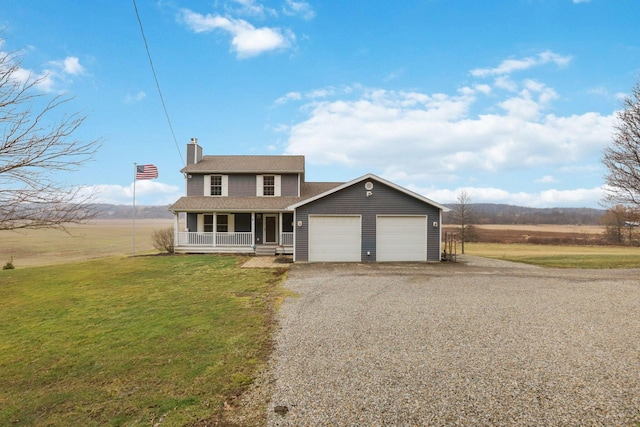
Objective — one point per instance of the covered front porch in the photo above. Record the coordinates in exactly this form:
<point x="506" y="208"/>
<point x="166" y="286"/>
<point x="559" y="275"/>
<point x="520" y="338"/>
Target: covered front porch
<point x="260" y="233"/>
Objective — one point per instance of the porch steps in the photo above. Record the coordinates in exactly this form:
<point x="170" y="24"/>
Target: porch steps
<point x="266" y="250"/>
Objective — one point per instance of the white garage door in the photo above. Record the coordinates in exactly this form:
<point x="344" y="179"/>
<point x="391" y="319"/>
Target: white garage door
<point x="401" y="238"/>
<point x="334" y="238"/>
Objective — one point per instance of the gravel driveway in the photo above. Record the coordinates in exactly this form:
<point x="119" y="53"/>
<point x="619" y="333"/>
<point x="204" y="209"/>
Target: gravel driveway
<point x="475" y="343"/>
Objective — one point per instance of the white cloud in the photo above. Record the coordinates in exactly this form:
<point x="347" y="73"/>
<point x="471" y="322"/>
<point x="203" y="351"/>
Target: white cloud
<point x="396" y="131"/>
<point x="480" y="132"/>
<point x="246" y="40"/>
<point x="51" y="79"/>
<point x="291" y="96"/>
<point x="547" y="179"/>
<point x="135" y="97"/>
<point x="509" y="66"/>
<point x="148" y="192"/>
<point x="250" y="8"/>
<point x="299" y="8"/>
<point x="313" y="94"/>
<point x="71" y="65"/>
<point x="579" y="197"/>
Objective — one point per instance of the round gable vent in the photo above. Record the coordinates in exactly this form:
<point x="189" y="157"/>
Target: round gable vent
<point x="368" y="185"/>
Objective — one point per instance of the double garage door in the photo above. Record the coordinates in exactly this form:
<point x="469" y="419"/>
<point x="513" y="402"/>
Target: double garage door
<point x="339" y="238"/>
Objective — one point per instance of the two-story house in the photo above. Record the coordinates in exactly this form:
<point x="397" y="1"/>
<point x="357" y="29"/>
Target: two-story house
<point x="263" y="205"/>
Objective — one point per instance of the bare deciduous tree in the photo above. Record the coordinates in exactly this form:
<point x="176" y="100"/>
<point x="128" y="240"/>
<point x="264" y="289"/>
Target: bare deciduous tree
<point x="620" y="224"/>
<point x="463" y="215"/>
<point x="622" y="158"/>
<point x="36" y="145"/>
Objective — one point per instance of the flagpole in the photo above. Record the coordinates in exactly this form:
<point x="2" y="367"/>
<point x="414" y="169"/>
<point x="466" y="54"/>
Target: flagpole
<point x="133" y="227"/>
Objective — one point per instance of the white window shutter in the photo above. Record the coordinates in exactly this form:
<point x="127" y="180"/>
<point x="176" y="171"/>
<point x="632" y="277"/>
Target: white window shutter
<point x="259" y="186"/>
<point x="231" y="223"/>
<point x="200" y="223"/>
<point x="278" y="185"/>
<point x="225" y="185"/>
<point x="207" y="185"/>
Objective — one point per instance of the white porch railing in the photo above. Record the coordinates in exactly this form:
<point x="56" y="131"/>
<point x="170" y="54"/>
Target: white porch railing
<point x="225" y="239"/>
<point x="221" y="239"/>
<point x="286" y="239"/>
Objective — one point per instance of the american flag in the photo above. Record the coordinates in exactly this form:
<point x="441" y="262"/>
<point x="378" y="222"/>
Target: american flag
<point x="146" y="172"/>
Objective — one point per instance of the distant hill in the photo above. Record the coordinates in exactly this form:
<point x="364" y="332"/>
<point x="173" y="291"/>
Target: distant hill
<point x="493" y="213"/>
<point x="485" y="213"/>
<point x="106" y="211"/>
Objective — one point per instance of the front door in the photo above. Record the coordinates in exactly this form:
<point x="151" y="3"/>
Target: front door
<point x="270" y="229"/>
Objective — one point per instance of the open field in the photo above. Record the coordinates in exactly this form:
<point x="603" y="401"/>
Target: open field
<point x="144" y="341"/>
<point x="96" y="239"/>
<point x="539" y="234"/>
<point x="546" y="228"/>
<point x="560" y="256"/>
<point x="523" y="243"/>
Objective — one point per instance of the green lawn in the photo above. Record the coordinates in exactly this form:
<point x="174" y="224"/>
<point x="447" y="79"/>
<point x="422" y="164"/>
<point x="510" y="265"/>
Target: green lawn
<point x="131" y="341"/>
<point x="560" y="256"/>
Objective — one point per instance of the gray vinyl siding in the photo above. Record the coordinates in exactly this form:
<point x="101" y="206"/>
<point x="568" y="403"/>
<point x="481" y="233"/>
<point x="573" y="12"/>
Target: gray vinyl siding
<point x="192" y="222"/>
<point x="195" y="185"/>
<point x="352" y="200"/>
<point x="289" y="186"/>
<point x="242" y="185"/>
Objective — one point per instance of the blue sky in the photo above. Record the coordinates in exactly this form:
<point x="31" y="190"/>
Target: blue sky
<point x="510" y="100"/>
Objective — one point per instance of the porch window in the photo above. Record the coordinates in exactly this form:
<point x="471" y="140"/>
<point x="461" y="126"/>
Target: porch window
<point x="287" y="223"/>
<point x="269" y="185"/>
<point x="216" y="185"/>
<point x="242" y="222"/>
<point x="222" y="224"/>
<point x="208" y="223"/>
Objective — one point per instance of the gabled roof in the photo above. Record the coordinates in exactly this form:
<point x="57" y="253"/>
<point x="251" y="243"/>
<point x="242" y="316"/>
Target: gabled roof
<point x="247" y="164"/>
<point x="248" y="204"/>
<point x="364" y="178"/>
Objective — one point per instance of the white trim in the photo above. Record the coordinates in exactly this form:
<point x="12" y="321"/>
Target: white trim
<point x="253" y="228"/>
<point x="363" y="178"/>
<point x="295" y="235"/>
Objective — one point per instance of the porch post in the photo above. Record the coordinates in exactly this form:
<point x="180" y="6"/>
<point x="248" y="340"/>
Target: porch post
<point x="215" y="229"/>
<point x="253" y="229"/>
<point x="176" y="229"/>
<point x="279" y="228"/>
<point x="295" y="231"/>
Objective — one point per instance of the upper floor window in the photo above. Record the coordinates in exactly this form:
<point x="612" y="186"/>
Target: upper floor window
<point x="216" y="185"/>
<point x="268" y="185"/>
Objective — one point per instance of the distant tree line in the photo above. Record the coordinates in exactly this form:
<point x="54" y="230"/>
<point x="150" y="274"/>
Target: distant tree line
<point x="490" y="213"/>
<point x="107" y="211"/>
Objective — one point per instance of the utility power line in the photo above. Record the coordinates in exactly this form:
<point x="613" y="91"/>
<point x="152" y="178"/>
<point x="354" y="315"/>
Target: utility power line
<point x="153" y="70"/>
